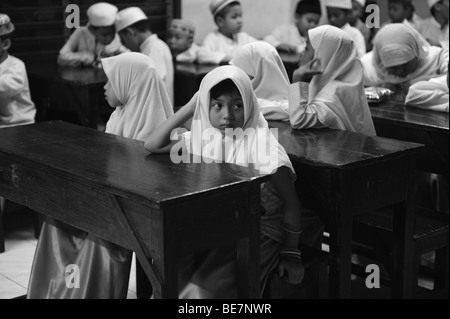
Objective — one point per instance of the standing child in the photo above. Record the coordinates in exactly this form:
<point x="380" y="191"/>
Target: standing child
<point x="261" y="61"/>
<point x="219" y="46"/>
<point x="335" y="96"/>
<point x="134" y="30"/>
<point x="435" y="28"/>
<point x="141" y="103"/>
<point x="226" y="103"/>
<point x="16" y="106"/>
<point x="338" y="12"/>
<point x="89" y="44"/>
<point x="292" y="38"/>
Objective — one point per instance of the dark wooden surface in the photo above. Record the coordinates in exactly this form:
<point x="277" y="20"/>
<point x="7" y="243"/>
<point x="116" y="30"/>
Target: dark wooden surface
<point x="112" y="187"/>
<point x="341" y="174"/>
<point x="393" y="119"/>
<point x="73" y="90"/>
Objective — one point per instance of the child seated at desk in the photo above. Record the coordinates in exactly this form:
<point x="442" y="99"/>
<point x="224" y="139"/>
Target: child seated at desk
<point x="220" y="45"/>
<point x="338" y="12"/>
<point x="401" y="57"/>
<point x="141" y="103"/>
<point x="226" y="102"/>
<point x="328" y="89"/>
<point x="292" y="38"/>
<point x="181" y="41"/>
<point x="429" y="95"/>
<point x="133" y="27"/>
<point x="261" y="61"/>
<point x="16" y="106"/>
<point x="89" y="44"/>
<point x="435" y="28"/>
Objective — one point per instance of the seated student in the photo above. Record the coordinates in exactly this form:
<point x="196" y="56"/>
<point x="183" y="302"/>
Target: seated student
<point x="88" y="44"/>
<point x="435" y="28"/>
<point x="261" y="61"/>
<point x="136" y="92"/>
<point x="429" y="95"/>
<point x="401" y="57"/>
<point x="329" y="90"/>
<point x="401" y="11"/>
<point x="292" y="37"/>
<point x="224" y="103"/>
<point x="355" y="20"/>
<point x="134" y="30"/>
<point x="181" y="41"/>
<point x="16" y="106"/>
<point x="219" y="46"/>
<point x="338" y="12"/>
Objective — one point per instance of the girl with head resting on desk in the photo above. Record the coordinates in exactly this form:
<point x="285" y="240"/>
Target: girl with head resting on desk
<point x="263" y="65"/>
<point x="328" y="89"/>
<point x="402" y="57"/>
<point x="224" y="104"/>
<point x="141" y="102"/>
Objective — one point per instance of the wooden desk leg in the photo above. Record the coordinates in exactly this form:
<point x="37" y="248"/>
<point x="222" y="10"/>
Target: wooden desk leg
<point x="341" y="250"/>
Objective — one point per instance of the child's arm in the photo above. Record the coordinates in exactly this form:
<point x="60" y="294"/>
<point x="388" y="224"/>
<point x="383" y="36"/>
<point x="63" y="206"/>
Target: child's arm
<point x="290" y="256"/>
<point x="69" y="54"/>
<point x="159" y="141"/>
<point x="12" y="81"/>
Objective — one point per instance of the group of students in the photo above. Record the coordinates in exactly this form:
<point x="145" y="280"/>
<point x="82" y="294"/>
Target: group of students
<point x="327" y="91"/>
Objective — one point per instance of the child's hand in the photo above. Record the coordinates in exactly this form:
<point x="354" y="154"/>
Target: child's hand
<point x="306" y="72"/>
<point x="192" y="104"/>
<point x="293" y="269"/>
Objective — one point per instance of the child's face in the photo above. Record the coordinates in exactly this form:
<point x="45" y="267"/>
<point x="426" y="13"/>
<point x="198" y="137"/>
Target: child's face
<point x="4" y="47"/>
<point x="104" y="35"/>
<point x="179" y="41"/>
<point x="227" y="111"/>
<point x="110" y="96"/>
<point x="129" y="39"/>
<point x="356" y="13"/>
<point x="306" y="21"/>
<point x="404" y="69"/>
<point x="231" y="23"/>
<point x="397" y="12"/>
<point x="337" y="17"/>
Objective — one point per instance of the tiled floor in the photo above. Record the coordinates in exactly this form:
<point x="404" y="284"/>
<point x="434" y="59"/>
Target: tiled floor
<point x="15" y="263"/>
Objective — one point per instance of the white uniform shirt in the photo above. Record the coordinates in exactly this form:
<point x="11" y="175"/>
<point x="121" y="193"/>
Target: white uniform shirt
<point x="83" y="49"/>
<point x="287" y="34"/>
<point x="430" y="29"/>
<point x="159" y="51"/>
<point x="216" y="46"/>
<point x="16" y="106"/>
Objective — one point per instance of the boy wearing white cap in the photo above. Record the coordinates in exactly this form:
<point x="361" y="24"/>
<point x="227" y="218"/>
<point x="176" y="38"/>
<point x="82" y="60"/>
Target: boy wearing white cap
<point x="133" y="27"/>
<point x="97" y="40"/>
<point x="220" y="45"/>
<point x="181" y="41"/>
<point x="338" y="12"/>
<point x="435" y="28"/>
<point x="16" y="106"/>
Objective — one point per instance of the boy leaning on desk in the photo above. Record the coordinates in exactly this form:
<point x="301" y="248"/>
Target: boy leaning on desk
<point x="98" y="39"/>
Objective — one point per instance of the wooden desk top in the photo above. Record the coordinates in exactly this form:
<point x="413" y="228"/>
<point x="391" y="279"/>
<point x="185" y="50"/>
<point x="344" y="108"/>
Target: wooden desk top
<point x="338" y="149"/>
<point x="409" y="116"/>
<point x="120" y="165"/>
<point x="49" y="70"/>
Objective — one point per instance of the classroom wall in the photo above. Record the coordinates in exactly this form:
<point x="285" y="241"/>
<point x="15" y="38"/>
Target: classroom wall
<point x="262" y="16"/>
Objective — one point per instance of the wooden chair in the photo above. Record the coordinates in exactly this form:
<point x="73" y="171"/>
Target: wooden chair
<point x="373" y="235"/>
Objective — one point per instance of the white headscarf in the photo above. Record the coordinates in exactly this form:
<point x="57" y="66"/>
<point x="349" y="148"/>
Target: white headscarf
<point x="396" y="44"/>
<point x="137" y="85"/>
<point x="261" y="149"/>
<point x="270" y="81"/>
<point x="338" y="92"/>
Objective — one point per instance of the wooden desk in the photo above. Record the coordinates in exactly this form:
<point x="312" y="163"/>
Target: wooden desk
<point x="187" y="79"/>
<point x="394" y="120"/>
<point x="110" y="186"/>
<point x="340" y="174"/>
<point x="69" y="89"/>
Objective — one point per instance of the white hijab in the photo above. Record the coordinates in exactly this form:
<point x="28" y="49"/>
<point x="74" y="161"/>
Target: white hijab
<point x="260" y="149"/>
<point x="137" y="85"/>
<point x="396" y="44"/>
<point x="338" y="92"/>
<point x="261" y="61"/>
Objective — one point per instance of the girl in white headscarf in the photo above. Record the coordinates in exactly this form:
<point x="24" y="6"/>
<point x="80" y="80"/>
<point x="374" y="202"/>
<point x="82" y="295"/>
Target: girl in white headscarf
<point x="137" y="92"/>
<point x="226" y="104"/>
<point x="335" y="96"/>
<point x="429" y="95"/>
<point x="263" y="64"/>
<point x="400" y="56"/>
